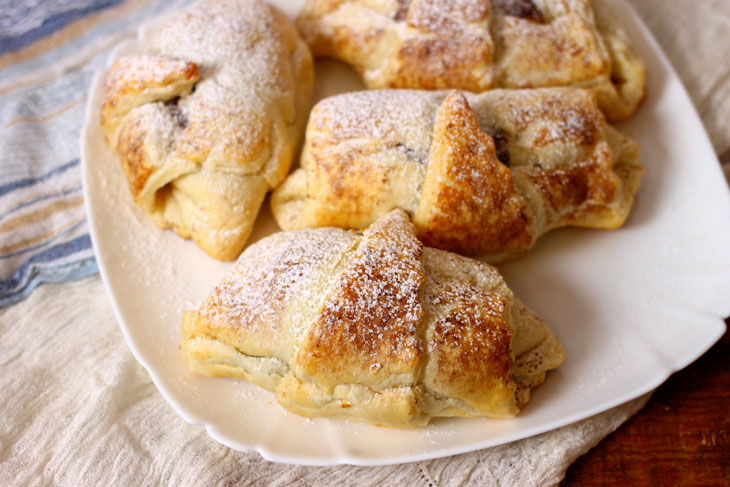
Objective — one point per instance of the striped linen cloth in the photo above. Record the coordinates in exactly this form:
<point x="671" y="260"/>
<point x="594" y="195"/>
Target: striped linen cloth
<point x="49" y="53"/>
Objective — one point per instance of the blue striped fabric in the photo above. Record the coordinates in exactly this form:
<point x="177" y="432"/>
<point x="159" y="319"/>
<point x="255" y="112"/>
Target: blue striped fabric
<point x="44" y="235"/>
<point x="26" y="23"/>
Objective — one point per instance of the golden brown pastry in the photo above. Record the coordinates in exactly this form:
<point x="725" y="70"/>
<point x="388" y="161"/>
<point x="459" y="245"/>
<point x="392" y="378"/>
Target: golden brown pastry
<point x="208" y="120"/>
<point x="477" y="45"/>
<point x="372" y="327"/>
<point x="482" y="175"/>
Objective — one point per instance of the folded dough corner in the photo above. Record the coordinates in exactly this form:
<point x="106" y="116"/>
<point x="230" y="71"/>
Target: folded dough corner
<point x="371" y="327"/>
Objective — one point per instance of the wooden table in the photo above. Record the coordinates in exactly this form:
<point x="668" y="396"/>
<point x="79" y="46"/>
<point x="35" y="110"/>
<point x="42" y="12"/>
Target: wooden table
<point x="680" y="438"/>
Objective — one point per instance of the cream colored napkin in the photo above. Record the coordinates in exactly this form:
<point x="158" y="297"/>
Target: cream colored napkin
<point x="77" y="409"/>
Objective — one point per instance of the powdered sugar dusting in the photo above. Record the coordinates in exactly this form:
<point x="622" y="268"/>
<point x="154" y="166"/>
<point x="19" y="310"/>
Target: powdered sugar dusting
<point x="532" y="51"/>
<point x="438" y="15"/>
<point x="242" y="49"/>
<point x="469" y="344"/>
<point x="468" y="330"/>
<point x="373" y="313"/>
<point x="268" y="276"/>
<point x="388" y="115"/>
<point x="470" y="317"/>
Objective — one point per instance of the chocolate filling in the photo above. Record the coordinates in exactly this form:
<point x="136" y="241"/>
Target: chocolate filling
<point x="500" y="145"/>
<point x="177" y="114"/>
<point x="402" y="11"/>
<point x="524" y="9"/>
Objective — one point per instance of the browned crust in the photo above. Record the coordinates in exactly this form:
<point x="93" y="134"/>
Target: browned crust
<point x="445" y="52"/>
<point x="581" y="188"/>
<point x="372" y="315"/>
<point x="443" y="62"/>
<point x="470" y="346"/>
<point x="469" y="202"/>
<point x="572" y="186"/>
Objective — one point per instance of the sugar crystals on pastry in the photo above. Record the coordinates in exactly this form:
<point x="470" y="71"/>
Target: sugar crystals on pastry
<point x="208" y="118"/>
<point x="481" y="174"/>
<point x="477" y="45"/>
<point x="372" y="327"/>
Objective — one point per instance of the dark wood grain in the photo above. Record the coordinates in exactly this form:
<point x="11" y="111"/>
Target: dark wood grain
<point x="680" y="438"/>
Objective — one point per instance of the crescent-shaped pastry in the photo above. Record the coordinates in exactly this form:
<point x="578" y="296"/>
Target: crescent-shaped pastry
<point x="482" y="175"/>
<point x="477" y="45"/>
<point x="372" y="327"/>
<point x="208" y="120"/>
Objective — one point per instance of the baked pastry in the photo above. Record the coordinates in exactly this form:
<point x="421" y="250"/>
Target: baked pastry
<point x="371" y="327"/>
<point x="209" y="118"/>
<point x="477" y="45"/>
<point x="482" y="175"/>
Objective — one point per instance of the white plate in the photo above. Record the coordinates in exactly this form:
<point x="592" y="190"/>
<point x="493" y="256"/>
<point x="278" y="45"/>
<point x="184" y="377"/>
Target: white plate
<point x="631" y="306"/>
